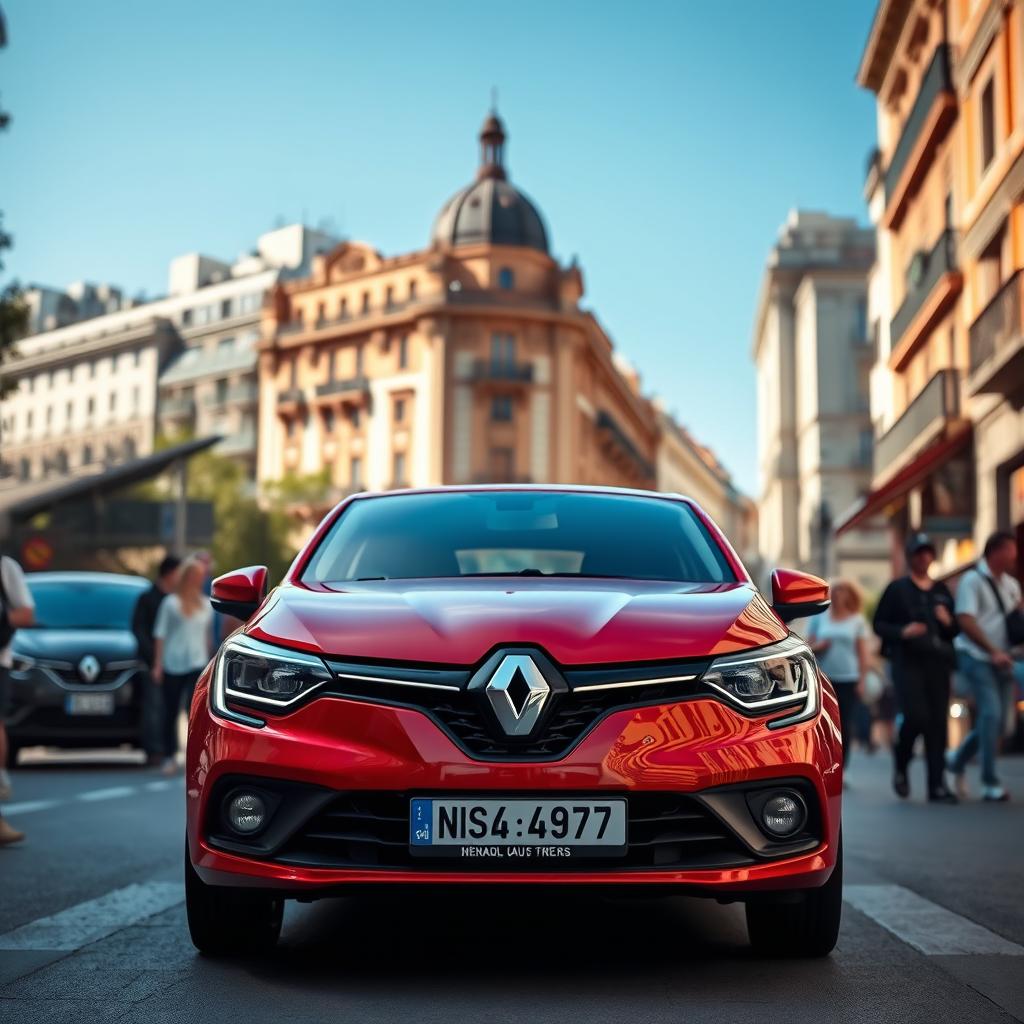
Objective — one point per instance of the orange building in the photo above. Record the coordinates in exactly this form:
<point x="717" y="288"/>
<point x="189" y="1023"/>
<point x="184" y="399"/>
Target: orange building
<point x="468" y="361"/>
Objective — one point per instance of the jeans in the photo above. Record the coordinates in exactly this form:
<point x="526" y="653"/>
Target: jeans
<point x="987" y="686"/>
<point x="175" y="687"/>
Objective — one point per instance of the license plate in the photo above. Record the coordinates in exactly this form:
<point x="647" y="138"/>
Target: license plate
<point x="517" y="829"/>
<point x="89" y="703"/>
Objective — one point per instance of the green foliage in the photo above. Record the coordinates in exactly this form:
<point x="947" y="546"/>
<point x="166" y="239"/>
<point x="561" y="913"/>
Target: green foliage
<point x="292" y="489"/>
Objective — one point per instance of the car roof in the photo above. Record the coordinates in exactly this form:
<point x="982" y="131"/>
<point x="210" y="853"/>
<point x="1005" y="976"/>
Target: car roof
<point x="113" y="578"/>
<point x="552" y="488"/>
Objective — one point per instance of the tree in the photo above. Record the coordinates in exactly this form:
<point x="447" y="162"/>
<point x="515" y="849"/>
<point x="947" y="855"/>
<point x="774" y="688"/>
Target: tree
<point x="13" y="311"/>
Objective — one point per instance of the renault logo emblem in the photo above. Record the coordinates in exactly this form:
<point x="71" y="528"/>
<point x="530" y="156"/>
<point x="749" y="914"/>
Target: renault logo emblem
<point x="89" y="668"/>
<point x="517" y="692"/>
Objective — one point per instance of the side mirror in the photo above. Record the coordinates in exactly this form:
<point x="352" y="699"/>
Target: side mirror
<point x="795" y="595"/>
<point x="241" y="592"/>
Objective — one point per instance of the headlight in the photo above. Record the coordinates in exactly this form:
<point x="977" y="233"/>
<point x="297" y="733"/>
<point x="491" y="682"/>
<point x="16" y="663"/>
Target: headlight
<point x="249" y="673"/>
<point x="22" y="663"/>
<point x="769" y="679"/>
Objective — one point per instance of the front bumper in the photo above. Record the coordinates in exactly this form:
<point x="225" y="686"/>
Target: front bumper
<point x="38" y="710"/>
<point x="691" y="749"/>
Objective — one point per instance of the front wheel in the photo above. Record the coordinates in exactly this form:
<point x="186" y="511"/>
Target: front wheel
<point x="225" y="921"/>
<point x="807" y="927"/>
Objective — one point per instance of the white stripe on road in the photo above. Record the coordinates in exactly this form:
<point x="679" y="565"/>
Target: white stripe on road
<point x="95" y="919"/>
<point x="28" y="806"/>
<point x="113" y="793"/>
<point x="926" y="926"/>
<point x="90" y="796"/>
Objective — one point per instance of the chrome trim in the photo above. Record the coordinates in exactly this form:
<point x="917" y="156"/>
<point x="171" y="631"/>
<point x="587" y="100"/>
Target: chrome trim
<point x="396" y="682"/>
<point x="123" y="678"/>
<point x="654" y="681"/>
<point x="774" y="702"/>
<point x="517" y="721"/>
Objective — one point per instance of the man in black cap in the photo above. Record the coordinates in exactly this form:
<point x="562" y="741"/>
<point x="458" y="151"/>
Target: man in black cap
<point x="915" y="620"/>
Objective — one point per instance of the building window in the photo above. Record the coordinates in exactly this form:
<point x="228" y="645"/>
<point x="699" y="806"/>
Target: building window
<point x="403" y="352"/>
<point x="328" y="421"/>
<point x="293" y="374"/>
<point x="321" y="314"/>
<point x="87" y="455"/>
<point x="90" y="406"/>
<point x="398" y="468"/>
<point x="412" y="291"/>
<point x="503" y="350"/>
<point x="366" y="302"/>
<point x="501" y="463"/>
<point x="501" y="408"/>
<point x="92" y="369"/>
<point x="225" y="308"/>
<point x="506" y="278"/>
<point x="24" y="469"/>
<point x="113" y="400"/>
<point x="225" y="344"/>
<point x="399" y="410"/>
<point x="332" y="361"/>
<point x="186" y="317"/>
<point x="28" y="419"/>
<point x="138" y="358"/>
<point x="356" y="417"/>
<point x="389" y="297"/>
<point x="359" y="361"/>
<point x="355" y="471"/>
<point x="343" y="311"/>
<point x="69" y="411"/>
<point x="49" y="415"/>
<point x="290" y="425"/>
<point x="135" y="398"/>
<point x="222" y="391"/>
<point x="988" y="123"/>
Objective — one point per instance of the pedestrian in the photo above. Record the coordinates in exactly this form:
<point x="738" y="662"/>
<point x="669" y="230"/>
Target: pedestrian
<point x="988" y="608"/>
<point x="839" y="639"/>
<point x="143" y="622"/>
<point x="17" y="611"/>
<point x="916" y="624"/>
<point x="182" y="635"/>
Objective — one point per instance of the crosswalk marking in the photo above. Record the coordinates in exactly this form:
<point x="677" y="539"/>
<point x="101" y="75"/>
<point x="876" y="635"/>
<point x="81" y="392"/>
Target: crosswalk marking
<point x="112" y="793"/>
<point x="929" y="928"/>
<point x="95" y="919"/>
<point x="30" y="806"/>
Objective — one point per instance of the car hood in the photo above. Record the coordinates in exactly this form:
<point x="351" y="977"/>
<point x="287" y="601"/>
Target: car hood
<point x="577" y="622"/>
<point x="73" y="644"/>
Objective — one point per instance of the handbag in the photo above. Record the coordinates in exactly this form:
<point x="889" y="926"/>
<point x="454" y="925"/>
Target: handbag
<point x="1014" y="617"/>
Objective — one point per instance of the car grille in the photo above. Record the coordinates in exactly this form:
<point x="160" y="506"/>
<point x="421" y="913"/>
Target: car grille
<point x="72" y="677"/>
<point x="665" y="831"/>
<point x="567" y="717"/>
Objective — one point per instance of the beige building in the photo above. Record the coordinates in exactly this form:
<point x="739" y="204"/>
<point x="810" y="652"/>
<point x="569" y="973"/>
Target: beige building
<point x="813" y="353"/>
<point x="470" y="360"/>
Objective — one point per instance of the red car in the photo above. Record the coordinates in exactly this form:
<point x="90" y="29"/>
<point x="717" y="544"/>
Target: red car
<point x="515" y="685"/>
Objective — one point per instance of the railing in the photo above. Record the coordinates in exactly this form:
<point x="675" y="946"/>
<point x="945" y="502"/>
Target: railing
<point x="941" y="260"/>
<point x="936" y="80"/>
<point x="998" y="325"/>
<point x="178" y="407"/>
<point x="337" y="387"/>
<point x="493" y="369"/>
<point x="242" y="393"/>
<point x="937" y="402"/>
<point x="291" y="396"/>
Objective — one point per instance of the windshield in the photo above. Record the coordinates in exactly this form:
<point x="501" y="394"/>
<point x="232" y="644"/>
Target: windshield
<point x="518" y="533"/>
<point x="86" y="604"/>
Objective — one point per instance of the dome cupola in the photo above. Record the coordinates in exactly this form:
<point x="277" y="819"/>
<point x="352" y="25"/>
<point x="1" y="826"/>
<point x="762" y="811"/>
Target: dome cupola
<point x="491" y="210"/>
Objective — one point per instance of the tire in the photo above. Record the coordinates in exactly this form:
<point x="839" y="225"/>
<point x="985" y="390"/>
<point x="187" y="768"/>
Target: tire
<point x="226" y="921"/>
<point x="808" y="927"/>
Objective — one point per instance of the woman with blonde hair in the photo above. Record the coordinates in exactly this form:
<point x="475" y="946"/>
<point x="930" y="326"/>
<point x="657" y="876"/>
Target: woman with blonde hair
<point x="839" y="639"/>
<point x="182" y="643"/>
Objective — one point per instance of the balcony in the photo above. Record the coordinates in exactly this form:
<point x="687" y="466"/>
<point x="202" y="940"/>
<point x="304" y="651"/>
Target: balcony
<point x="934" y="280"/>
<point x="177" y="408"/>
<point x="933" y="111"/>
<point x="290" y="401"/>
<point x="492" y="371"/>
<point x="927" y="419"/>
<point x="352" y="391"/>
<point x="997" y="343"/>
<point x="619" y="447"/>
<point x="241" y="444"/>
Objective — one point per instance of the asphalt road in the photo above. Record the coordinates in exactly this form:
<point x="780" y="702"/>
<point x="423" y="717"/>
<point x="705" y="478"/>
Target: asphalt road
<point x="92" y="928"/>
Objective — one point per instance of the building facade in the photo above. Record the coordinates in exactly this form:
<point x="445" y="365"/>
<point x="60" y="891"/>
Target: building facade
<point x="468" y="361"/>
<point x="812" y="350"/>
<point x="945" y="191"/>
<point x="118" y="374"/>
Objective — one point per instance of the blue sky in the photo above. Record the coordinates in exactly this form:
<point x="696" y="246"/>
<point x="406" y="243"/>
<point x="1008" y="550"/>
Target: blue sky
<point x="664" y="142"/>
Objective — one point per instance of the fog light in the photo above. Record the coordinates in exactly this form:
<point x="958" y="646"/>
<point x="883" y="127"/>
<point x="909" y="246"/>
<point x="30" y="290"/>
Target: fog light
<point x="783" y="815"/>
<point x="246" y="813"/>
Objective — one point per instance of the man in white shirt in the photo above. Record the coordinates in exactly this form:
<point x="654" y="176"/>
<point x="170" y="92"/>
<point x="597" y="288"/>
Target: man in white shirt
<point x="985" y="596"/>
<point x="17" y="611"/>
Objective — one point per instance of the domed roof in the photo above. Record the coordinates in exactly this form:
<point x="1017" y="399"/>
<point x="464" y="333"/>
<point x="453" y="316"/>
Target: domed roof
<point x="491" y="209"/>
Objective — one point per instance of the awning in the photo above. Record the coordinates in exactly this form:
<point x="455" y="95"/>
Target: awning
<point x="22" y="501"/>
<point x="905" y="480"/>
